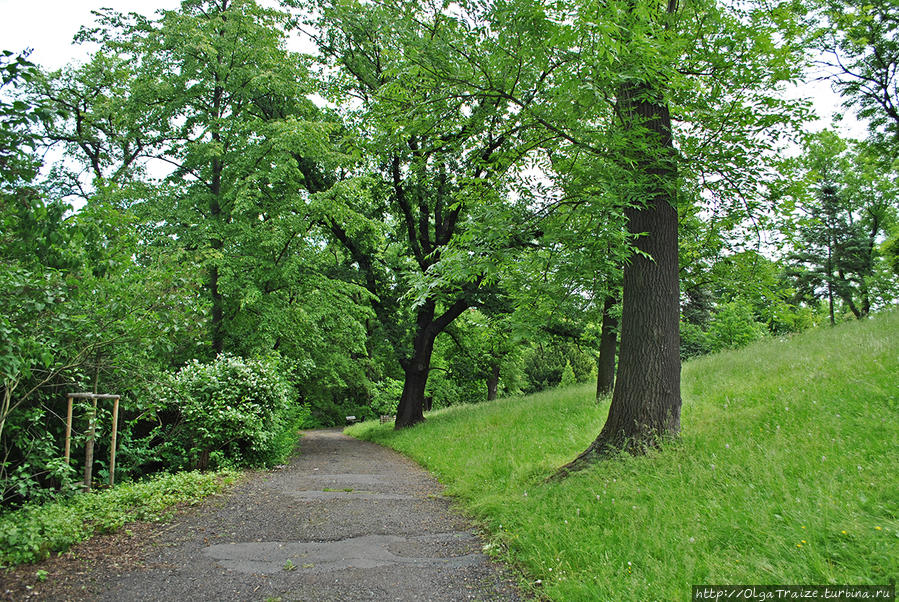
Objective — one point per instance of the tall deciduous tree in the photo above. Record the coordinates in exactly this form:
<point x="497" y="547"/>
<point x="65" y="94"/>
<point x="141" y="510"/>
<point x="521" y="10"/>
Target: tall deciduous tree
<point x="663" y="96"/>
<point x="861" y="45"/>
<point x="646" y="399"/>
<point x="438" y="154"/>
<point x="211" y="92"/>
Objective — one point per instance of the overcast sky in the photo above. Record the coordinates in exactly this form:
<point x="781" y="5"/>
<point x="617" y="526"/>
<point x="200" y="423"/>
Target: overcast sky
<point x="48" y="26"/>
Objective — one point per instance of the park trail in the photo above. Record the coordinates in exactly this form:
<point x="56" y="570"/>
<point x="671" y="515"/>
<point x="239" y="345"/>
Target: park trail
<point x="344" y="520"/>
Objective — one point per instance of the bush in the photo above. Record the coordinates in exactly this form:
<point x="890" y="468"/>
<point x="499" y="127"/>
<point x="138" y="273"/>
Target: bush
<point x="448" y="390"/>
<point x="733" y="326"/>
<point x="544" y="366"/>
<point x="385" y="396"/>
<point x="230" y="412"/>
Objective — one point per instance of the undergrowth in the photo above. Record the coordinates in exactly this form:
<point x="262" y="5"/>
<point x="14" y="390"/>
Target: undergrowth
<point x="785" y="473"/>
<point x="34" y="532"/>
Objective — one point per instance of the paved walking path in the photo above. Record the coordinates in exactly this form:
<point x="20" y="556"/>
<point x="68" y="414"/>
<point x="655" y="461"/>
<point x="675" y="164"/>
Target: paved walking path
<point x="345" y="520"/>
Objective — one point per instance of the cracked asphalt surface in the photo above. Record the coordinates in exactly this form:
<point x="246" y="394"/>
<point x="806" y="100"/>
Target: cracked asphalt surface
<point x="345" y="520"/>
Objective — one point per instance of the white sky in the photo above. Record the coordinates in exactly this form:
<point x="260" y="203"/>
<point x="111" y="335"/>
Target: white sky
<point x="48" y="27"/>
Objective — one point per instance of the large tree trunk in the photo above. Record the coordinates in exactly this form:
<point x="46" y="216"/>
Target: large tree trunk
<point x="646" y="400"/>
<point x="493" y="382"/>
<point x="608" y="345"/>
<point x="411" y="407"/>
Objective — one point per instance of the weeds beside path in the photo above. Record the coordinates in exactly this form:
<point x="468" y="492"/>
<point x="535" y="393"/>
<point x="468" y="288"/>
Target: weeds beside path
<point x="345" y="520"/>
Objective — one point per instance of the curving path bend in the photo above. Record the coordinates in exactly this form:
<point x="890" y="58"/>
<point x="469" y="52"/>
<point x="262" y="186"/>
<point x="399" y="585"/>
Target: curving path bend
<point x="345" y="520"/>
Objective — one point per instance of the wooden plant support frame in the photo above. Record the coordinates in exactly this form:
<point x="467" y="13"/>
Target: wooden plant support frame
<point x="89" y="444"/>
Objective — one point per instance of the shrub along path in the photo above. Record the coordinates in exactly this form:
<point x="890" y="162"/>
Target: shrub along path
<point x="345" y="520"/>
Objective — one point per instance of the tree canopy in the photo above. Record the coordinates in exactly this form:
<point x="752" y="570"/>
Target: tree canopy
<point x="445" y="203"/>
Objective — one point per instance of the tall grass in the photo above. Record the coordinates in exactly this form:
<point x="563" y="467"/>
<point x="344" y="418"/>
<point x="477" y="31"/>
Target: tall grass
<point x="785" y="473"/>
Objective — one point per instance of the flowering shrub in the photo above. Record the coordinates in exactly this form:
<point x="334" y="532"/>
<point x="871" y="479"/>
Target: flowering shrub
<point x="230" y="412"/>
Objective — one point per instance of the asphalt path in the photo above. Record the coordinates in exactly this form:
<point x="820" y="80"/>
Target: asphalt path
<point x="345" y="520"/>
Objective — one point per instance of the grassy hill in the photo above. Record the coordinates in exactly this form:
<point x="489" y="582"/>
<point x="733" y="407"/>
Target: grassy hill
<point x="785" y="473"/>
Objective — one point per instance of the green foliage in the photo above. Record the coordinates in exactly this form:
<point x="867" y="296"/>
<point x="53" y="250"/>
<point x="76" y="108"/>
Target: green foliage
<point x="79" y="300"/>
<point x="246" y="148"/>
<point x="78" y="296"/>
<point x="783" y="473"/>
<point x="568" y="378"/>
<point x="34" y="532"/>
<point x="330" y="406"/>
<point x="890" y="251"/>
<point x="481" y="344"/>
<point x="544" y="365"/>
<point x="837" y="202"/>
<point x="693" y="340"/>
<point x="734" y="326"/>
<point x="861" y="46"/>
<point x="19" y="162"/>
<point x="451" y="389"/>
<point x="229" y="412"/>
<point x="385" y="396"/>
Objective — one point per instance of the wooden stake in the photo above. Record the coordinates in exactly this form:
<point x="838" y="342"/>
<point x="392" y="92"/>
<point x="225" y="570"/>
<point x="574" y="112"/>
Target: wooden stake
<point x="115" y="429"/>
<point x="89" y="447"/>
<point x="92" y="430"/>
<point x="69" y="431"/>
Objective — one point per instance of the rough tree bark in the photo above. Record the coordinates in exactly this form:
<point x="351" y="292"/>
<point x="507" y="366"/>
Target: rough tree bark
<point x="411" y="406"/>
<point x="646" y="400"/>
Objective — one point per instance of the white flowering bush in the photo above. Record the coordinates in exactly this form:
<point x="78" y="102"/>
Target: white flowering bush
<point x="230" y="412"/>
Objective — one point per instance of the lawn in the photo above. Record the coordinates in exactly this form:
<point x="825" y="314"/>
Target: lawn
<point x="785" y="473"/>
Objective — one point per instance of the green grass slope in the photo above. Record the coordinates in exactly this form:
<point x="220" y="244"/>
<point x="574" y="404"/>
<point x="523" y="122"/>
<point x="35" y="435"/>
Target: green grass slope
<point x="785" y="473"/>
